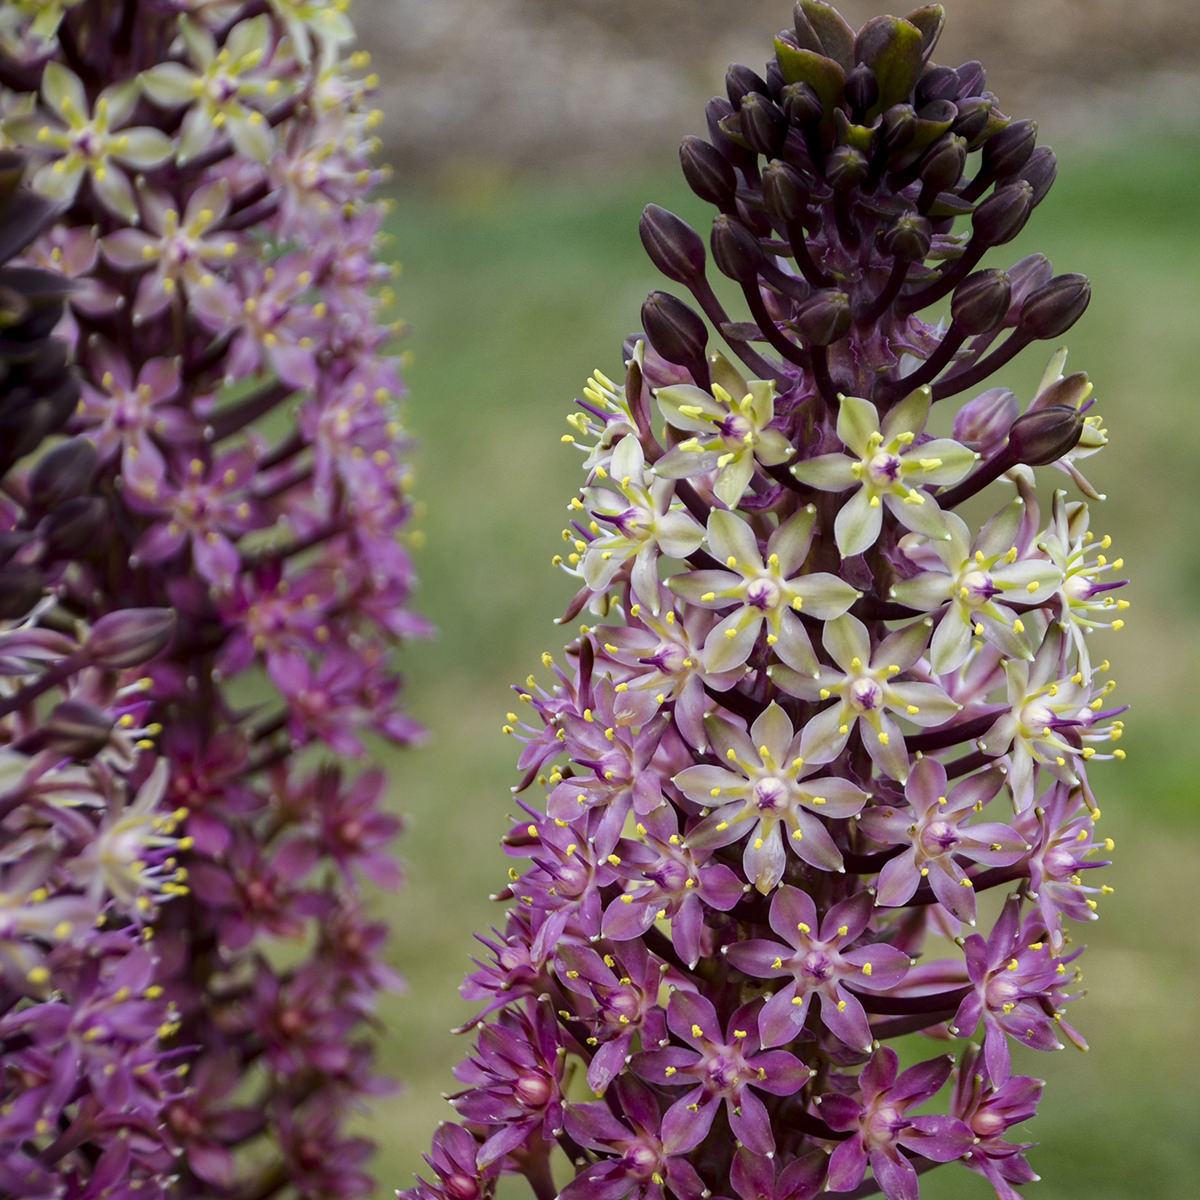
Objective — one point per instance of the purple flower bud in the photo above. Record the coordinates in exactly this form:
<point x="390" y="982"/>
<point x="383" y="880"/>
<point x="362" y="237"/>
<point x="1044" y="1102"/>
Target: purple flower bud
<point x="1044" y="435"/>
<point x="980" y="303"/>
<point x="675" y="331"/>
<point x="824" y="317"/>
<point x="1009" y="150"/>
<point x="736" y="250"/>
<point x="707" y="172"/>
<point x="130" y="637"/>
<point x="62" y="474"/>
<point x="1000" y="217"/>
<point x="763" y="124"/>
<point x="673" y="246"/>
<point x="1053" y="308"/>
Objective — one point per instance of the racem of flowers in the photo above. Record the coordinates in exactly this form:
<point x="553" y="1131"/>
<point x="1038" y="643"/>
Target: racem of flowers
<point x="203" y="591"/>
<point x="814" y="775"/>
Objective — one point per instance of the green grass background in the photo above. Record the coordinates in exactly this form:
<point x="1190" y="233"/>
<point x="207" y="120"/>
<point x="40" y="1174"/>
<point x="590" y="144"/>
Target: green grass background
<point x="514" y="293"/>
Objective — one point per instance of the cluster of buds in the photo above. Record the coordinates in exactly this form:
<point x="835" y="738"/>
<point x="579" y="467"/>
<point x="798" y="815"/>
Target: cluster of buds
<point x="232" y="470"/>
<point x="817" y="778"/>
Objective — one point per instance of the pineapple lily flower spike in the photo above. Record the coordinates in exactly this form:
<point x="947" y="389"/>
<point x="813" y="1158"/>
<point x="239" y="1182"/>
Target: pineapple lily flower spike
<point x="815" y="774"/>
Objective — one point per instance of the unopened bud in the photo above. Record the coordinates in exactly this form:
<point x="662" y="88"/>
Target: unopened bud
<point x="846" y="167"/>
<point x="1000" y="217"/>
<point x="943" y="165"/>
<point x="764" y="127"/>
<point x="741" y="81"/>
<point x="785" y="191"/>
<point x="898" y="126"/>
<point x="862" y="89"/>
<point x="801" y="104"/>
<point x="1044" y="435"/>
<point x="674" y="330"/>
<point x="673" y="245"/>
<point x="1006" y="152"/>
<point x="824" y="317"/>
<point x="972" y="120"/>
<point x="983" y="422"/>
<point x="937" y="83"/>
<point x="1071" y="390"/>
<point x="909" y="238"/>
<point x="130" y="637"/>
<point x="1040" y="172"/>
<point x="76" y="529"/>
<point x="736" y="250"/>
<point x="62" y="474"/>
<point x="708" y="172"/>
<point x="1056" y="306"/>
<point x="980" y="303"/>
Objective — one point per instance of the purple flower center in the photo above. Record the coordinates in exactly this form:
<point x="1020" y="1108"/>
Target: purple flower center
<point x="770" y="794"/>
<point x="669" y="658"/>
<point x="670" y="875"/>
<point x="939" y="836"/>
<point x="763" y="594"/>
<point x="723" y="1073"/>
<point x="884" y="468"/>
<point x="865" y="694"/>
<point x="641" y="1160"/>
<point x="735" y="429"/>
<point x="978" y="587"/>
<point x="818" y="966"/>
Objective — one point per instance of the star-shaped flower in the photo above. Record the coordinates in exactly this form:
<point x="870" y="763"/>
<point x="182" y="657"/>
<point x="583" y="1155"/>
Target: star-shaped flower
<point x="762" y="589"/>
<point x="762" y="791"/>
<point x="888" y="468"/>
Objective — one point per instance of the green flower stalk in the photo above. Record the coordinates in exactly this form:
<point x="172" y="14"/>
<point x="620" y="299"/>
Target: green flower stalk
<point x="816" y="716"/>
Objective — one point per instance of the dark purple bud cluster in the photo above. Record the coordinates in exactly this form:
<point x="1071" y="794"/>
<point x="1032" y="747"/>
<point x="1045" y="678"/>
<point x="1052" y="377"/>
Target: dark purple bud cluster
<point x="224" y="496"/>
<point x="816" y="721"/>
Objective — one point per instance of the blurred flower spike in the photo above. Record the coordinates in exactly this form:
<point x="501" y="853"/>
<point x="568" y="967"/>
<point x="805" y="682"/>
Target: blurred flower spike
<point x="814" y="775"/>
<point x="204" y="583"/>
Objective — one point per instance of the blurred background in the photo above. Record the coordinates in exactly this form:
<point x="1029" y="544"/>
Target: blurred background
<point x="527" y="135"/>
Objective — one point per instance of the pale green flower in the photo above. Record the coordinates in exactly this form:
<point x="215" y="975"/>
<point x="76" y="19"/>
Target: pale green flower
<point x="729" y="428"/>
<point x="762" y="590"/>
<point x="89" y="140"/>
<point x="887" y="468"/>
<point x="224" y="89"/>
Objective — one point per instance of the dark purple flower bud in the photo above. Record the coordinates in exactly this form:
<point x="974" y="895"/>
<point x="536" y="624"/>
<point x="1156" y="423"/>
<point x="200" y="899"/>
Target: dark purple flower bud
<point x="673" y="245"/>
<point x="972" y="120"/>
<point x="76" y="529"/>
<point x="909" y="238"/>
<point x="62" y="474"/>
<point x="1006" y="152"/>
<point x="763" y="124"/>
<point x="1000" y="217"/>
<point x="1056" y="306"/>
<point x="846" y="167"/>
<point x="983" y="423"/>
<point x="980" y="303"/>
<point x="943" y="165"/>
<point x="708" y="172"/>
<point x="741" y="82"/>
<point x="1071" y="390"/>
<point x="972" y="79"/>
<point x="898" y="126"/>
<point x="801" y="104"/>
<point x="736" y="250"/>
<point x="1040" y="171"/>
<point x="937" y="83"/>
<point x="130" y="637"/>
<point x="1044" y="435"/>
<point x="824" y="317"/>
<point x="785" y="191"/>
<point x="675" y="331"/>
<point x="862" y="90"/>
